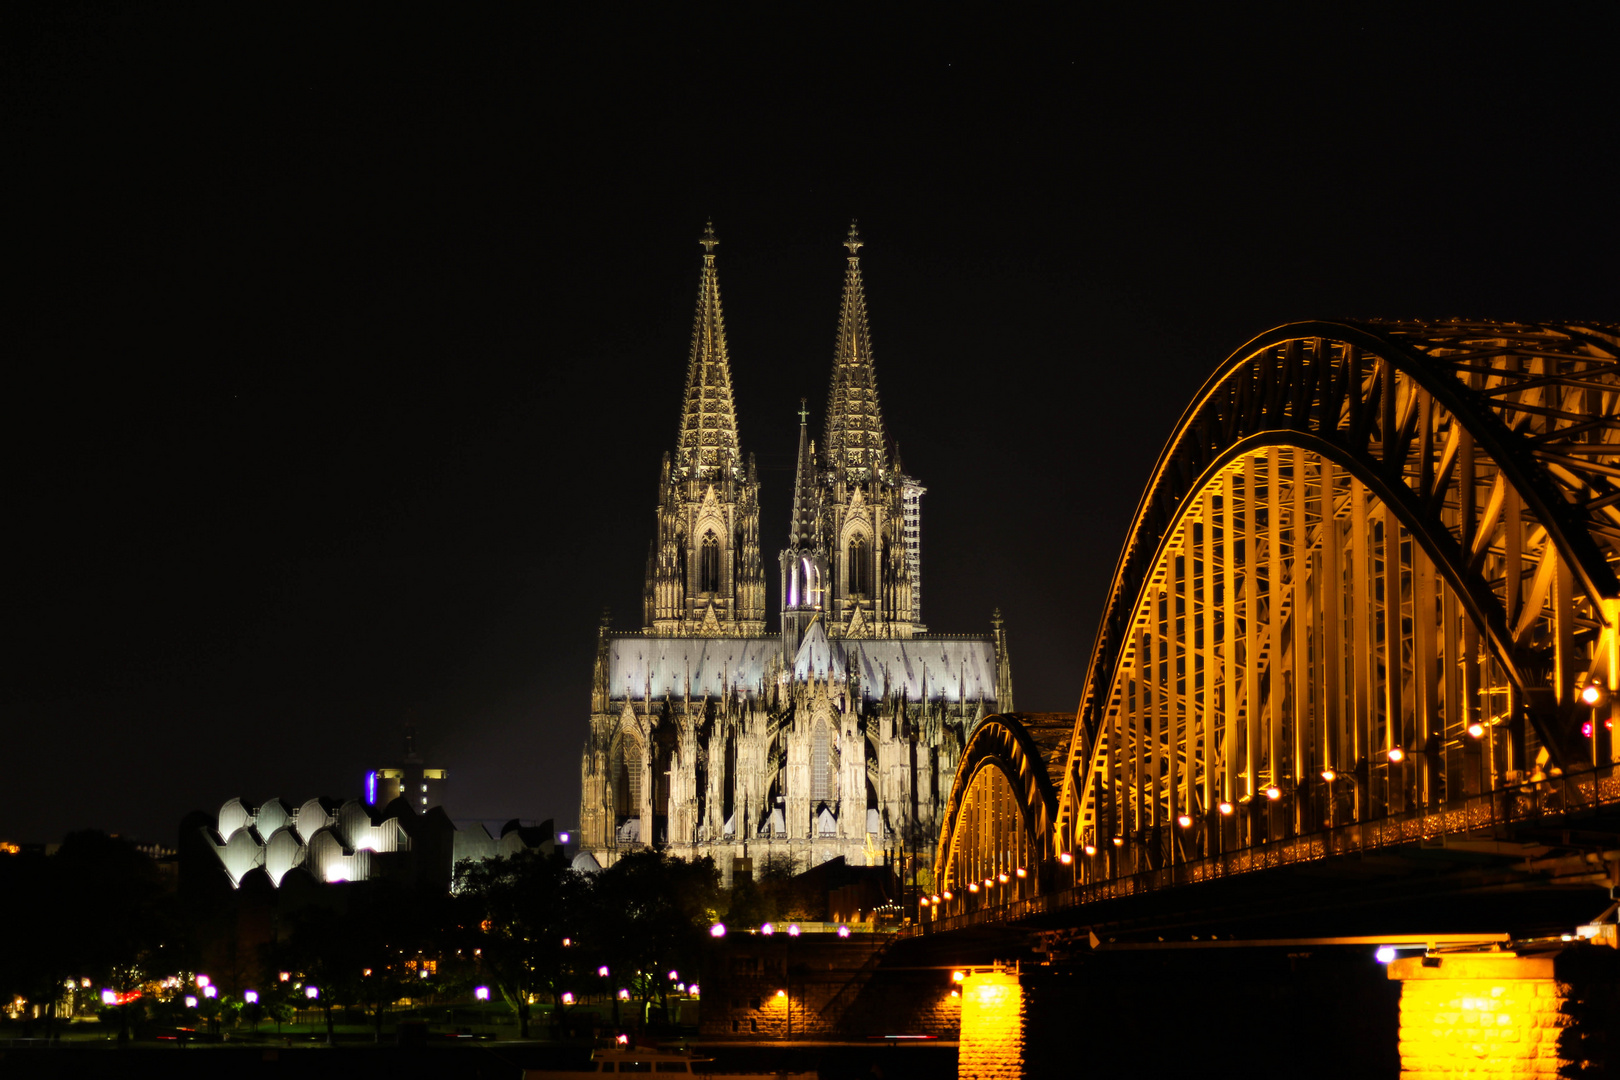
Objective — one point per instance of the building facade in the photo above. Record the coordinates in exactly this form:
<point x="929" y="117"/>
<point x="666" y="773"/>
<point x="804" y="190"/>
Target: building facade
<point x="837" y="734"/>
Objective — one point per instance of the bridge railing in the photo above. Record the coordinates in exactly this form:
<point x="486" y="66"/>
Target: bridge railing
<point x="1537" y="802"/>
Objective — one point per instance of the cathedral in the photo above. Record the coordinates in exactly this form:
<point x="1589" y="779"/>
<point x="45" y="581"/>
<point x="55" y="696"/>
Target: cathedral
<point x="838" y="732"/>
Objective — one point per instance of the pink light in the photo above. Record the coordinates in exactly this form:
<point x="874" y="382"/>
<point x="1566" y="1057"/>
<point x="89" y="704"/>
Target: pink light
<point x="481" y="993"/>
<point x="191" y="1001"/>
<point x="202" y="980"/>
<point x="210" y="991"/>
<point x="311" y="992"/>
<point x="602" y="971"/>
<point x="673" y="974"/>
<point x="250" y="996"/>
<point x="793" y="929"/>
<point x="843" y="931"/>
<point x="567" y="998"/>
<point x="624" y="995"/>
<point x="717" y="930"/>
<point x="768" y="929"/>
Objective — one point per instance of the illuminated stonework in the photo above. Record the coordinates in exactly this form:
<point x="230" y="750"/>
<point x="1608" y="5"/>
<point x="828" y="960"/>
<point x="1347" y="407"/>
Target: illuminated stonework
<point x="1482" y="1015"/>
<point x="991" y="1045"/>
<point x="837" y="736"/>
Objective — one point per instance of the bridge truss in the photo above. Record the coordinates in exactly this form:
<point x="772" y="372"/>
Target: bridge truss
<point x="1372" y="582"/>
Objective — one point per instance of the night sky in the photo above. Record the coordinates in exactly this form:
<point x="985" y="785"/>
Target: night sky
<point x="343" y="354"/>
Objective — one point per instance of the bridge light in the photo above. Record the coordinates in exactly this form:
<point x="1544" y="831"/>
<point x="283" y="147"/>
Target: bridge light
<point x="1065" y="858"/>
<point x="1592" y="695"/>
<point x="1119" y="841"/>
<point x="947" y="894"/>
<point x="1021" y="872"/>
<point x="1224" y="807"/>
<point x="1184" y="820"/>
<point x="1476" y="730"/>
<point x="973" y="886"/>
<point x="768" y="929"/>
<point x="989" y="882"/>
<point x="1385" y="954"/>
<point x="793" y="931"/>
<point x="958" y="976"/>
<point x="1273" y="792"/>
<point x="781" y="993"/>
<point x="717" y="930"/>
<point x="843" y="931"/>
<point x="1091" y="849"/>
<point x="1329" y="775"/>
<point x="936" y="898"/>
<point x="1396" y="755"/>
<point x="1002" y="877"/>
<point x="1586" y="729"/>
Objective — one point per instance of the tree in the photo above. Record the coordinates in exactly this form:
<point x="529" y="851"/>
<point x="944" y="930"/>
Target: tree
<point x="516" y="912"/>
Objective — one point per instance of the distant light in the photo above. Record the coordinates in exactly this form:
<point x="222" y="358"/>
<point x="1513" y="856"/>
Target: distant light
<point x="936" y="898"/>
<point x="1476" y="730"/>
<point x="1090" y="849"/>
<point x="1224" y="807"/>
<point x="1021" y="872"/>
<point x="768" y="929"/>
<point x="989" y="882"/>
<point x="1329" y="775"/>
<point x="285" y="975"/>
<point x="1592" y="694"/>
<point x="973" y="886"/>
<point x="693" y="989"/>
<point x="250" y="996"/>
<point x="210" y="991"/>
<point x="1002" y="877"/>
<point x="781" y="993"/>
<point x="624" y="995"/>
<point x="602" y="971"/>
<point x="958" y="976"/>
<point x="1184" y="820"/>
<point x="956" y="993"/>
<point x="481" y="993"/>
<point x="311" y="992"/>
<point x="568" y="997"/>
<point x="681" y="987"/>
<point x="562" y="837"/>
<point x="191" y="1001"/>
<point x="202" y="980"/>
<point x="948" y="894"/>
<point x="1119" y="841"/>
<point x="567" y="942"/>
<point x="793" y="929"/>
<point x="1396" y="755"/>
<point x="371" y="787"/>
<point x="85" y="983"/>
<point x="1385" y="954"/>
<point x="424" y="973"/>
<point x="1065" y="858"/>
<point x="623" y="1040"/>
<point x="843" y="931"/>
<point x="673" y="974"/>
<point x="366" y="973"/>
<point x="108" y="997"/>
<point x="1586" y="729"/>
<point x="717" y="930"/>
<point x="1273" y="792"/>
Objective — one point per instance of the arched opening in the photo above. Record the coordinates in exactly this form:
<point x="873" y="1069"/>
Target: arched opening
<point x="709" y="564"/>
<point x="821" y="774"/>
<point x="627" y="787"/>
<point x="858" y="574"/>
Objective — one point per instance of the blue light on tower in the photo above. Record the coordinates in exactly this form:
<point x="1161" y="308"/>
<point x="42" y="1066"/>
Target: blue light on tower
<point x="371" y="788"/>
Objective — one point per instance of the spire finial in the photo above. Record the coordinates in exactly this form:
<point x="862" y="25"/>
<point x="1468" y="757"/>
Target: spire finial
<point x="853" y="242"/>
<point x="709" y="241"/>
<point x="804" y="411"/>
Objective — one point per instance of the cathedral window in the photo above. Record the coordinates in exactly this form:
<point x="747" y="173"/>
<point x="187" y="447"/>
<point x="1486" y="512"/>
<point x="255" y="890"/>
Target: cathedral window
<point x="856" y="575"/>
<point x="709" y="564"/>
<point x="627" y="777"/>
<point x="820" y="766"/>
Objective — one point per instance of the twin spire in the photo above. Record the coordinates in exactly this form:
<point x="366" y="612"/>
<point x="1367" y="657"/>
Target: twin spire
<point x="708" y="447"/>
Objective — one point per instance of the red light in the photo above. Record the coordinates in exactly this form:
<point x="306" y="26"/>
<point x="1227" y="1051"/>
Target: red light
<point x="1586" y="729"/>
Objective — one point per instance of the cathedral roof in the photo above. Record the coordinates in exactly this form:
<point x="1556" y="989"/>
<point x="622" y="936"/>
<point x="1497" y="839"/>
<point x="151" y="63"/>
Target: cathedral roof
<point x="801" y="531"/>
<point x="855" y="437"/>
<point x="955" y="669"/>
<point x="707" y="446"/>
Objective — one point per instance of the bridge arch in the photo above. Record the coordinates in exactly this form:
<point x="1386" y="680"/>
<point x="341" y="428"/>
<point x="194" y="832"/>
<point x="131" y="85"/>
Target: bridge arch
<point x="1372" y="569"/>
<point x="998" y="827"/>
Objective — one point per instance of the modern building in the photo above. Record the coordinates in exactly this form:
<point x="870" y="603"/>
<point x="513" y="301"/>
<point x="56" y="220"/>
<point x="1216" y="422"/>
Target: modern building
<point x="410" y="779"/>
<point x="838" y="732"/>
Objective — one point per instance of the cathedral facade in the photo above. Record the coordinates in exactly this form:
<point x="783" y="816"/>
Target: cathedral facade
<point x="838" y="732"/>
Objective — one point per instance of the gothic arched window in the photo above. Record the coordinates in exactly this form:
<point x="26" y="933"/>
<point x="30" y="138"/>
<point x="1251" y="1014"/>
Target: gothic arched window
<point x="859" y="556"/>
<point x="627" y="777"/>
<point x="709" y="564"/>
<point x="820" y="766"/>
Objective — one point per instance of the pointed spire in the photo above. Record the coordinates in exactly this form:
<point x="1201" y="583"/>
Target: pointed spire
<point x="855" y="437"/>
<point x="804" y="485"/>
<point x="707" y="447"/>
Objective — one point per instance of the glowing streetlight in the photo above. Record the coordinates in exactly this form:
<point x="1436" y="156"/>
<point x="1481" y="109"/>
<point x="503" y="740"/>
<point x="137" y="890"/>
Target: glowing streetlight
<point x="1002" y="877"/>
<point x="958" y="976"/>
<point x="624" y="995"/>
<point x="250" y="996"/>
<point x="1184" y="820"/>
<point x="1396" y="755"/>
<point x="793" y="931"/>
<point x="673" y="974"/>
<point x="718" y="930"/>
<point x="480" y="993"/>
<point x="202" y="981"/>
<point x="191" y="1001"/>
<point x="568" y="997"/>
<point x="311" y="992"/>
<point x="1592" y="695"/>
<point x="843" y="931"/>
<point x="602" y="971"/>
<point x="1329" y="775"/>
<point x="1224" y="807"/>
<point x="973" y="886"/>
<point x="768" y="929"/>
<point x="109" y="997"/>
<point x="1476" y="730"/>
<point x="1065" y="858"/>
<point x="1021" y="872"/>
<point x="210" y="991"/>
<point x="1089" y="849"/>
<point x="1385" y="954"/>
<point x="948" y="894"/>
<point x="1119" y="841"/>
<point x="1273" y="792"/>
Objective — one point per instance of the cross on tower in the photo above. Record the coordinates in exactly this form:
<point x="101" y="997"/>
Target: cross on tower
<point x="804" y="412"/>
<point x="854" y="240"/>
<point x="708" y="240"/>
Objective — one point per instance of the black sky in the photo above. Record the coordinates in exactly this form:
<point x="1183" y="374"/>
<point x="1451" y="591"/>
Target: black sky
<point x="344" y="352"/>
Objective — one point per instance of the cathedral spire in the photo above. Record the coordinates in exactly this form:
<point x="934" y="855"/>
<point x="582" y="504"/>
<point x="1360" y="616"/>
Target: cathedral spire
<point x="707" y="447"/>
<point x="800" y="533"/>
<point x="855" y="438"/>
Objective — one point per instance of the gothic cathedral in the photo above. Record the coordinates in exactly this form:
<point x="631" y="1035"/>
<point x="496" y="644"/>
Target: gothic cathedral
<point x="836" y="735"/>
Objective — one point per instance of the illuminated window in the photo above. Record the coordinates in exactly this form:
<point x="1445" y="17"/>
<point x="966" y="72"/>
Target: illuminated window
<point x="859" y="556"/>
<point x="627" y="776"/>
<point x="709" y="564"/>
<point x="820" y="765"/>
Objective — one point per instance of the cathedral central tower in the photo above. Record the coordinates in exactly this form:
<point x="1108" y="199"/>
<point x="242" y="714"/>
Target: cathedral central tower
<point x="704" y="574"/>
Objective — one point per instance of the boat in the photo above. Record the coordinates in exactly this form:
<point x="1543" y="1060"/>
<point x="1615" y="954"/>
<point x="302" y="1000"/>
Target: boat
<point x="661" y="1060"/>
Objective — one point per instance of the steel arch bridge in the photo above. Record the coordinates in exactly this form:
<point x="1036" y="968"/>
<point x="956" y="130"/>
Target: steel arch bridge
<point x="1369" y="595"/>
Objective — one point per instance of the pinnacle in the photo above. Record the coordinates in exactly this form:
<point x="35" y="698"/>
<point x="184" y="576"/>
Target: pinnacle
<point x="707" y="446"/>
<point x="855" y="436"/>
